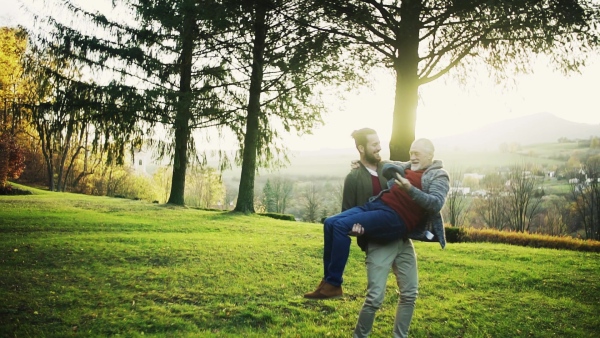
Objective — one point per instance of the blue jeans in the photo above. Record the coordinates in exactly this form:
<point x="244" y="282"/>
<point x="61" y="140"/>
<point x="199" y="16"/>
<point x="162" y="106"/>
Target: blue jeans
<point x="378" y="220"/>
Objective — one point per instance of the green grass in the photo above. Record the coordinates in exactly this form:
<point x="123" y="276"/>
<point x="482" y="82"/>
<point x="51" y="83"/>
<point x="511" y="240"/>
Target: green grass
<point x="96" y="266"/>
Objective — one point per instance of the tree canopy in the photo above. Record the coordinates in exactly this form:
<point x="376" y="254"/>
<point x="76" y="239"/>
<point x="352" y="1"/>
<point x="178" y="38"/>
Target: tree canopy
<point x="425" y="40"/>
<point x="160" y="68"/>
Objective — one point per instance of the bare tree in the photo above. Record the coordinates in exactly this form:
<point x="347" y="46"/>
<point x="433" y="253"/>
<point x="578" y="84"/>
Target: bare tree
<point x="311" y="200"/>
<point x="456" y="208"/>
<point x="523" y="198"/>
<point x="282" y="190"/>
<point x="553" y="219"/>
<point x="204" y="187"/>
<point x="585" y="190"/>
<point x="492" y="207"/>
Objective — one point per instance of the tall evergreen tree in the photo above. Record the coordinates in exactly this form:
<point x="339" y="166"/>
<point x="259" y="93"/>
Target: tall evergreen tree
<point x="280" y="65"/>
<point x="161" y="69"/>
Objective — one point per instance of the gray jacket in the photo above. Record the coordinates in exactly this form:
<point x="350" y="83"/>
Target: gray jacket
<point x="436" y="184"/>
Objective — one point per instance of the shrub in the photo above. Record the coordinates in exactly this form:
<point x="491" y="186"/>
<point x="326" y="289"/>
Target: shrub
<point x="285" y="217"/>
<point x="10" y="190"/>
<point x="454" y="235"/>
<point x="457" y="235"/>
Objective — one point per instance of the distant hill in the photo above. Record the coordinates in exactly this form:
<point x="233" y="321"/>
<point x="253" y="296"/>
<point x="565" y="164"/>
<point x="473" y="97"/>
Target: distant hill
<point x="531" y="129"/>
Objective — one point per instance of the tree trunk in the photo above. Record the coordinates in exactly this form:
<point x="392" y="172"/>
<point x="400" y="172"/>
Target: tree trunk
<point x="4" y="160"/>
<point x="64" y="153"/>
<point x="245" y="201"/>
<point x="182" y="119"/>
<point x="46" y="144"/>
<point x="406" y="66"/>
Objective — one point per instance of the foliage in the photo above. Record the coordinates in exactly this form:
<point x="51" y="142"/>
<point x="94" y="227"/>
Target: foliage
<point x="204" y="188"/>
<point x="283" y="65"/>
<point x="58" y="113"/>
<point x="424" y="40"/>
<point x="161" y="68"/>
<point x="96" y="266"/>
<point x="12" y="159"/>
<point x="13" y="44"/>
<point x="277" y="193"/>
<point x="472" y="235"/>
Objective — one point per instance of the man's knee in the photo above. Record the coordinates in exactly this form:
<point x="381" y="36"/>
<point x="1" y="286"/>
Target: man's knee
<point x="408" y="295"/>
<point x="375" y="298"/>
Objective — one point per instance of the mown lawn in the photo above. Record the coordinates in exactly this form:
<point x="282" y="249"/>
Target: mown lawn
<point x="73" y="265"/>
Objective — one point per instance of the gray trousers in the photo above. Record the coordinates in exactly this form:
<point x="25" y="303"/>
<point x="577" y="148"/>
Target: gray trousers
<point x="399" y="255"/>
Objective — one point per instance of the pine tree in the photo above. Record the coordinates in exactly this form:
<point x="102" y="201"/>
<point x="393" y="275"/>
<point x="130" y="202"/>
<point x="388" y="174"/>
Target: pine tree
<point x="164" y="69"/>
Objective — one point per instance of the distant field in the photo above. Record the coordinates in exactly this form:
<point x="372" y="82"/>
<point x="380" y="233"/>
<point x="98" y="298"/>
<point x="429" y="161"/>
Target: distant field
<point x="336" y="163"/>
<point x="96" y="266"/>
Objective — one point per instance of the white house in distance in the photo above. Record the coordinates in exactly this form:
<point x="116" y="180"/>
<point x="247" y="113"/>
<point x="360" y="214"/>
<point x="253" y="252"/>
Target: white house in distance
<point x="143" y="163"/>
<point x="474" y="176"/>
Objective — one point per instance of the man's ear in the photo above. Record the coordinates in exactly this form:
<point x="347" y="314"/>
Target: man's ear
<point x="361" y="148"/>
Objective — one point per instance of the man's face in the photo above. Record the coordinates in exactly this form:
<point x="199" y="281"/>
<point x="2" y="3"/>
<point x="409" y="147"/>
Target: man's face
<point x="420" y="157"/>
<point x="372" y="148"/>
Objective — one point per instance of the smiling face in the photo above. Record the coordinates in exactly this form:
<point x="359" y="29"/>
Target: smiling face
<point x="370" y="151"/>
<point x="421" y="155"/>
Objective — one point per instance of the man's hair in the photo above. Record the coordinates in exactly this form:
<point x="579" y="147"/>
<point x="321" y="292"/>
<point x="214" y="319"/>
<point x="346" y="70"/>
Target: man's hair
<point x="360" y="136"/>
<point x="427" y="144"/>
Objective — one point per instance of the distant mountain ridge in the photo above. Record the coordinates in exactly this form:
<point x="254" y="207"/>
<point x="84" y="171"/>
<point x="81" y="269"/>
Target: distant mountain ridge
<point x="530" y="129"/>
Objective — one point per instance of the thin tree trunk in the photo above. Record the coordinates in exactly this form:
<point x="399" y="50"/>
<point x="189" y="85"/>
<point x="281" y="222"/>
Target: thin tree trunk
<point x="182" y="119"/>
<point x="4" y="159"/>
<point x="62" y="177"/>
<point x="46" y="143"/>
<point x="245" y="201"/>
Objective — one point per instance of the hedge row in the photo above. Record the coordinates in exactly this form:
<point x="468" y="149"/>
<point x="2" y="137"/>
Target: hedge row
<point x="285" y="217"/>
<point x="458" y="235"/>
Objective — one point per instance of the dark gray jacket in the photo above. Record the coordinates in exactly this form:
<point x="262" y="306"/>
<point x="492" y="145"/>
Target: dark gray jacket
<point x="358" y="187"/>
<point x="436" y="184"/>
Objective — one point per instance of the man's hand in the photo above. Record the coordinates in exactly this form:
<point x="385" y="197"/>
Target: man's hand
<point x="357" y="230"/>
<point x="354" y="164"/>
<point x="402" y="182"/>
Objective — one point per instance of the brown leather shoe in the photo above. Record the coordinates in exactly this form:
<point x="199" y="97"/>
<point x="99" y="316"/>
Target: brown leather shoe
<point x="316" y="292"/>
<point x="326" y="291"/>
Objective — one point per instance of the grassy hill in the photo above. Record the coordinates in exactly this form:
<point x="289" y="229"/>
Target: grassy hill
<point x="96" y="266"/>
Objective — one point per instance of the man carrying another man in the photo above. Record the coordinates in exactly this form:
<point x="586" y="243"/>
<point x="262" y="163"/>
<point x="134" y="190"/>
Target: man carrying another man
<point x="417" y="193"/>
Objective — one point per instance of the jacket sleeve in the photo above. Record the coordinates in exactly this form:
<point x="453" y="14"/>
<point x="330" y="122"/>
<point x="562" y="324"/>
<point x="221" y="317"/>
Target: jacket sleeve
<point x="434" y="200"/>
<point x="349" y="191"/>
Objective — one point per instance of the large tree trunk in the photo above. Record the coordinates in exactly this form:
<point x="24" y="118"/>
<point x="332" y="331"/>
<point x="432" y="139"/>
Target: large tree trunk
<point x="406" y="66"/>
<point x="245" y="201"/>
<point x="182" y="119"/>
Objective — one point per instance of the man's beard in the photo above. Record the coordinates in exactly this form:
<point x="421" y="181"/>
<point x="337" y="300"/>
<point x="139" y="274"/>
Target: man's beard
<point x="372" y="158"/>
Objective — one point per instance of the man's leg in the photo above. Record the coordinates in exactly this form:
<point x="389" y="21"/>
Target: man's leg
<point x="407" y="276"/>
<point x="328" y="235"/>
<point x="379" y="261"/>
<point x="374" y="217"/>
<point x="331" y="231"/>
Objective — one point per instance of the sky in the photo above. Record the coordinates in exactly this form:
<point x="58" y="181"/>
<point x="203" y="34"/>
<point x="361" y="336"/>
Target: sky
<point x="445" y="108"/>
